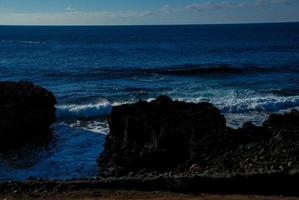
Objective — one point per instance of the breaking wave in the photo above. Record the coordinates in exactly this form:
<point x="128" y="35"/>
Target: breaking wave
<point x="83" y="111"/>
<point x="260" y="104"/>
<point x="226" y="105"/>
<point x="268" y="104"/>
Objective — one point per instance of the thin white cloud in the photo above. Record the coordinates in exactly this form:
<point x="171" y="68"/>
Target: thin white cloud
<point x="73" y="16"/>
<point x="166" y="14"/>
<point x="273" y="2"/>
<point x="209" y="5"/>
<point x="168" y="8"/>
<point x="70" y="9"/>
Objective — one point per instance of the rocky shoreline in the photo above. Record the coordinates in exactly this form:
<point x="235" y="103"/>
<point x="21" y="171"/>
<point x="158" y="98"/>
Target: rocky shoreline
<point x="163" y="145"/>
<point x="178" y="137"/>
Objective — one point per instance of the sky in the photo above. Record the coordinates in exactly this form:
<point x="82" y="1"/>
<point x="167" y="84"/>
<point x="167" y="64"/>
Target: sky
<point x="145" y="12"/>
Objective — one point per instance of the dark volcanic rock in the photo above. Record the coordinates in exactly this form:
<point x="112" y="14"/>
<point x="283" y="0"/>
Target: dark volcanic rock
<point x="165" y="135"/>
<point x="26" y="113"/>
<point x="285" y="121"/>
<point x="159" y="135"/>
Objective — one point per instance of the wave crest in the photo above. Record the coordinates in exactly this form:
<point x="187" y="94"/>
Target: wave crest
<point x="22" y="41"/>
<point x="231" y="105"/>
<point x="83" y="111"/>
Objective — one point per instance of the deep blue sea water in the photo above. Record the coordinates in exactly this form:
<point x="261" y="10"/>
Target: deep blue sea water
<point x="247" y="71"/>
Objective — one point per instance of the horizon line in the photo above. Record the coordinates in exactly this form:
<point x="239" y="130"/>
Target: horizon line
<point x="184" y="24"/>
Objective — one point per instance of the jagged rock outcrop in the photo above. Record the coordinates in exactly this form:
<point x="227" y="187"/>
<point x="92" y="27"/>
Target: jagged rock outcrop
<point x="159" y="135"/>
<point x="165" y="135"/>
<point x="26" y="113"/>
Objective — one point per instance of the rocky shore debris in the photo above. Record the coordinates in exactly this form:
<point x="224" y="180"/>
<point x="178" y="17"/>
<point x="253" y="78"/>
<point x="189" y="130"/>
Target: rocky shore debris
<point x="26" y="113"/>
<point x="266" y="184"/>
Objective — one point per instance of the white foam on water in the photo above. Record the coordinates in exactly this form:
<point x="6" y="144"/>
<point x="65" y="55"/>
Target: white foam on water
<point x="242" y="107"/>
<point x="248" y="103"/>
<point x="91" y="126"/>
<point x="260" y="104"/>
<point x="83" y="111"/>
<point x="97" y="127"/>
<point x="237" y="109"/>
<point x="227" y="104"/>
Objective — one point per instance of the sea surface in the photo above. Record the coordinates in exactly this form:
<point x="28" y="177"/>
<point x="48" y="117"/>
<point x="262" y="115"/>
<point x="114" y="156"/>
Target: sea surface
<point x="248" y="71"/>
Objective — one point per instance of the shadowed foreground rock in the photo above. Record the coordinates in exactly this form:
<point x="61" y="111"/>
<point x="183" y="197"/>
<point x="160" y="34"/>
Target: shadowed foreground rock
<point x="26" y="113"/>
<point x="178" y="137"/>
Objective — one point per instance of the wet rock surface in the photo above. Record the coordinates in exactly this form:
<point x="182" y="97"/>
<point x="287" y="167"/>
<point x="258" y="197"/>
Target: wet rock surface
<point x="178" y="137"/>
<point x="26" y="113"/>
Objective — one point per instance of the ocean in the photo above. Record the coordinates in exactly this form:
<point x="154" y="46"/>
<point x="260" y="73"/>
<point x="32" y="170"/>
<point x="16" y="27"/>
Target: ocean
<point x="247" y="70"/>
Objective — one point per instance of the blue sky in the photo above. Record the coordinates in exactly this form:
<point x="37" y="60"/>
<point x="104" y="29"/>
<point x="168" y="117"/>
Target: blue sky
<point x="136" y="12"/>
